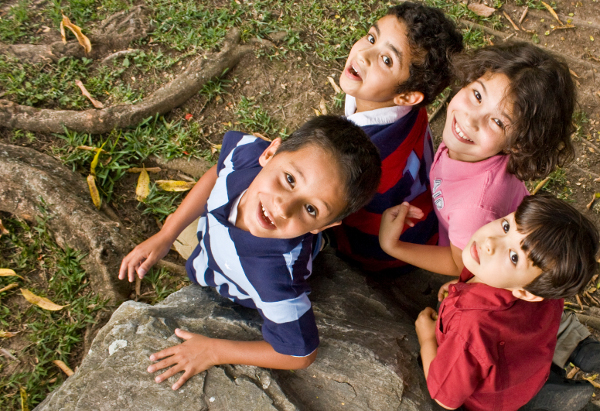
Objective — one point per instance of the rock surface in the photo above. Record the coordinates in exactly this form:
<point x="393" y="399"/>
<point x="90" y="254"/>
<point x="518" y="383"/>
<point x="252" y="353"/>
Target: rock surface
<point x="367" y="358"/>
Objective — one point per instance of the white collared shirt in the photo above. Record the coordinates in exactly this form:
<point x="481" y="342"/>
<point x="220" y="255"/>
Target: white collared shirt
<point x="384" y="115"/>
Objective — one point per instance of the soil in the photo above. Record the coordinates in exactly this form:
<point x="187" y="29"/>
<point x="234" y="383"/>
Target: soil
<point x="291" y="89"/>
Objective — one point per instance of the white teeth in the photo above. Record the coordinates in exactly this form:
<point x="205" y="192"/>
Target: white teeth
<point x="460" y="133"/>
<point x="265" y="214"/>
<point x="353" y="71"/>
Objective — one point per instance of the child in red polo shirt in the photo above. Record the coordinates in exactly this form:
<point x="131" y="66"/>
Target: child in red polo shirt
<point x="491" y="345"/>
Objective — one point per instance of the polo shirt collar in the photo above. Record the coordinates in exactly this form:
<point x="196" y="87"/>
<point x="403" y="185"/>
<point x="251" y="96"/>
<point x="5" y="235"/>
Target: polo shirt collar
<point x="479" y="296"/>
<point x="386" y="115"/>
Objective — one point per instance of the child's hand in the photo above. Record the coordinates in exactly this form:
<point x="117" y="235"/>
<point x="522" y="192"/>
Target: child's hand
<point x="192" y="357"/>
<point x="143" y="257"/>
<point x="392" y="223"/>
<point x="425" y="325"/>
<point x="443" y="293"/>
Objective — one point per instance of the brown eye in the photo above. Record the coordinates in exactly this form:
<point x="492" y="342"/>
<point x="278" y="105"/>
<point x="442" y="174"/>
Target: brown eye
<point x="311" y="210"/>
<point x="387" y="61"/>
<point x="514" y="257"/>
<point x="370" y="38"/>
<point x="290" y="179"/>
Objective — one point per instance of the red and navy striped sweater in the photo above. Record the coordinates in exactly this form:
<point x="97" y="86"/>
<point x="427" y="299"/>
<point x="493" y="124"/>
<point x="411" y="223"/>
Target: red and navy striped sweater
<point x="406" y="150"/>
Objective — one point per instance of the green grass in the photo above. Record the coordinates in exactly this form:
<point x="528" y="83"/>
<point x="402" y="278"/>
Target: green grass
<point x="51" y="272"/>
<point x="254" y="118"/>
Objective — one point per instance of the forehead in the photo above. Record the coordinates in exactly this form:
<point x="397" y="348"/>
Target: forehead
<point x="394" y="32"/>
<point x="497" y="88"/>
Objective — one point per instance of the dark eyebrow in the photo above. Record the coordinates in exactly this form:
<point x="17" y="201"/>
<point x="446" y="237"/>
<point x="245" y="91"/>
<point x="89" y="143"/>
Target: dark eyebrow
<point x="376" y="27"/>
<point x="397" y="52"/>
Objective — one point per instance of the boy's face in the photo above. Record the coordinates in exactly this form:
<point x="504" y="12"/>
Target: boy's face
<point x="495" y="257"/>
<point x="378" y="63"/>
<point x="295" y="193"/>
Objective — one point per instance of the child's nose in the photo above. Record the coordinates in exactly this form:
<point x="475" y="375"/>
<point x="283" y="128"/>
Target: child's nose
<point x="284" y="207"/>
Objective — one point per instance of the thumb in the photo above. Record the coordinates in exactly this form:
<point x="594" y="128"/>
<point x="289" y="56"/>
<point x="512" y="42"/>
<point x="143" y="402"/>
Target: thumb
<point x="186" y="335"/>
<point x="143" y="269"/>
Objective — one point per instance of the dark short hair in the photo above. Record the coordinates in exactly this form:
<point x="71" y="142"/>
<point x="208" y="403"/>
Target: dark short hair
<point x="560" y="241"/>
<point x="433" y="39"/>
<point x="351" y="149"/>
<point x="543" y="97"/>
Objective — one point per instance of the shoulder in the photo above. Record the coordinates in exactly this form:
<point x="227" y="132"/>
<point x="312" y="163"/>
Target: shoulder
<point x="240" y="150"/>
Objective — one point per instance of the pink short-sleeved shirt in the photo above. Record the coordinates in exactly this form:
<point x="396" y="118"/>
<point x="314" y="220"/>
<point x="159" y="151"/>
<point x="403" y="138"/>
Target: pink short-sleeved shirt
<point x="469" y="195"/>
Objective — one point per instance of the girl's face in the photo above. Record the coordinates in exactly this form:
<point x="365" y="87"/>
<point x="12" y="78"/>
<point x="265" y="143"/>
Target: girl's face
<point x="478" y="120"/>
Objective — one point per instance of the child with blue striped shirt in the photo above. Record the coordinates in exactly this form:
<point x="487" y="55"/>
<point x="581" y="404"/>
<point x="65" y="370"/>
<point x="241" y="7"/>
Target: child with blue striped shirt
<point x="261" y="206"/>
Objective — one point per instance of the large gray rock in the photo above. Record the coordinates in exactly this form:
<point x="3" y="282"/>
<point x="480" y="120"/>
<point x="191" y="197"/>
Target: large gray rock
<point x="367" y="358"/>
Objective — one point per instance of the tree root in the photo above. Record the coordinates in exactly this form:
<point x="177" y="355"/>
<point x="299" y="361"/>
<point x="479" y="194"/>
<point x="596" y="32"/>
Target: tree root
<point x="115" y="33"/>
<point x="163" y="100"/>
<point x="34" y="184"/>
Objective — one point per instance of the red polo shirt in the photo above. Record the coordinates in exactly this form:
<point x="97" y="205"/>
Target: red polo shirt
<point x="494" y="350"/>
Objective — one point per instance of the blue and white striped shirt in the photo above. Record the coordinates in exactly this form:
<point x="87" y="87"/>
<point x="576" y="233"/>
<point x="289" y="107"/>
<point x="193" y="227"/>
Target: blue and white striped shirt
<point x="262" y="273"/>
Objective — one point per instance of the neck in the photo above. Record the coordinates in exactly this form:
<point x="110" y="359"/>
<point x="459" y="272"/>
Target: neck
<point x="365" y="105"/>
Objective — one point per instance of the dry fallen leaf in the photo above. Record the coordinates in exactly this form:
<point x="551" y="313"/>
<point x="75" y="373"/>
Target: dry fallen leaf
<point x="551" y="10"/>
<point x="143" y="185"/>
<point x="261" y="137"/>
<point x="187" y="240"/>
<point x="511" y="21"/>
<point x="540" y="185"/>
<point x="63" y="367"/>
<point x="6" y="334"/>
<point x="7" y="272"/>
<point x="24" y="406"/>
<point x="149" y="170"/>
<point x="594" y="198"/>
<point x="336" y="88"/>
<point x="96" y="159"/>
<point x="91" y="180"/>
<point x="63" y="35"/>
<point x="9" y="287"/>
<point x="88" y="148"/>
<point x="41" y="302"/>
<point x="323" y="107"/>
<point x="81" y="38"/>
<point x="171" y="185"/>
<point x="481" y="9"/>
<point x="3" y="230"/>
<point x="87" y="94"/>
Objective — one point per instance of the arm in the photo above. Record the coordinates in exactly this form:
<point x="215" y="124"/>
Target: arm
<point x="146" y="254"/>
<point x="425" y="326"/>
<point x="441" y="260"/>
<point x="198" y="353"/>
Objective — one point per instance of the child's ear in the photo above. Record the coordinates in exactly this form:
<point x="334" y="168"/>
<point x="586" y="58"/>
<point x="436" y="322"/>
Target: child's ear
<point x="269" y="152"/>
<point x="409" y="98"/>
<point x="317" y="231"/>
<point x="526" y="296"/>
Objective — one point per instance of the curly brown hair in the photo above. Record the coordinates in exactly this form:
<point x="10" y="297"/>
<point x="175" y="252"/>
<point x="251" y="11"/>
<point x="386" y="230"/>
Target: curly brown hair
<point x="543" y="98"/>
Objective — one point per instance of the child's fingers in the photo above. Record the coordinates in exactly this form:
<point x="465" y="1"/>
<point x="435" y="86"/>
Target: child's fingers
<point x="186" y="376"/>
<point x="167" y="352"/>
<point x="167" y="362"/>
<point x="169" y="373"/>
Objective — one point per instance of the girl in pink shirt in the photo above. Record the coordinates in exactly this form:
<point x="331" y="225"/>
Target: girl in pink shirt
<point x="510" y="122"/>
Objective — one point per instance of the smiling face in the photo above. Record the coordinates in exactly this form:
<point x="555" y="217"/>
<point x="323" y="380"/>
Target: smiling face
<point x="378" y="63"/>
<point x="478" y="120"/>
<point x="295" y="193"/>
<point x="494" y="256"/>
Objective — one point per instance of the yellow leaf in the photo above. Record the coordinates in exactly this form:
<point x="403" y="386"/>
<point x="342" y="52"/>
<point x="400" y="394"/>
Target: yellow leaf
<point x="322" y="106"/>
<point x="41" y="302"/>
<point x="170" y="185"/>
<point x="7" y="272"/>
<point x="9" y="287"/>
<point x="81" y="38"/>
<point x="91" y="180"/>
<point x="96" y="159"/>
<point x="143" y="185"/>
<point x="63" y="35"/>
<point x="64" y="367"/>
<point x="551" y="10"/>
<point x="6" y="334"/>
<point x="24" y="406"/>
<point x="3" y="229"/>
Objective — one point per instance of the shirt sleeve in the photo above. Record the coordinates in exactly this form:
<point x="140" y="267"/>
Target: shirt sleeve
<point x="464" y="222"/>
<point x="455" y="372"/>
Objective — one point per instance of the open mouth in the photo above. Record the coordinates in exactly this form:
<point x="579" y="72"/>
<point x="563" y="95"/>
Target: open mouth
<point x="264" y="217"/>
<point x="458" y="132"/>
<point x="353" y="72"/>
<point x="474" y="252"/>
